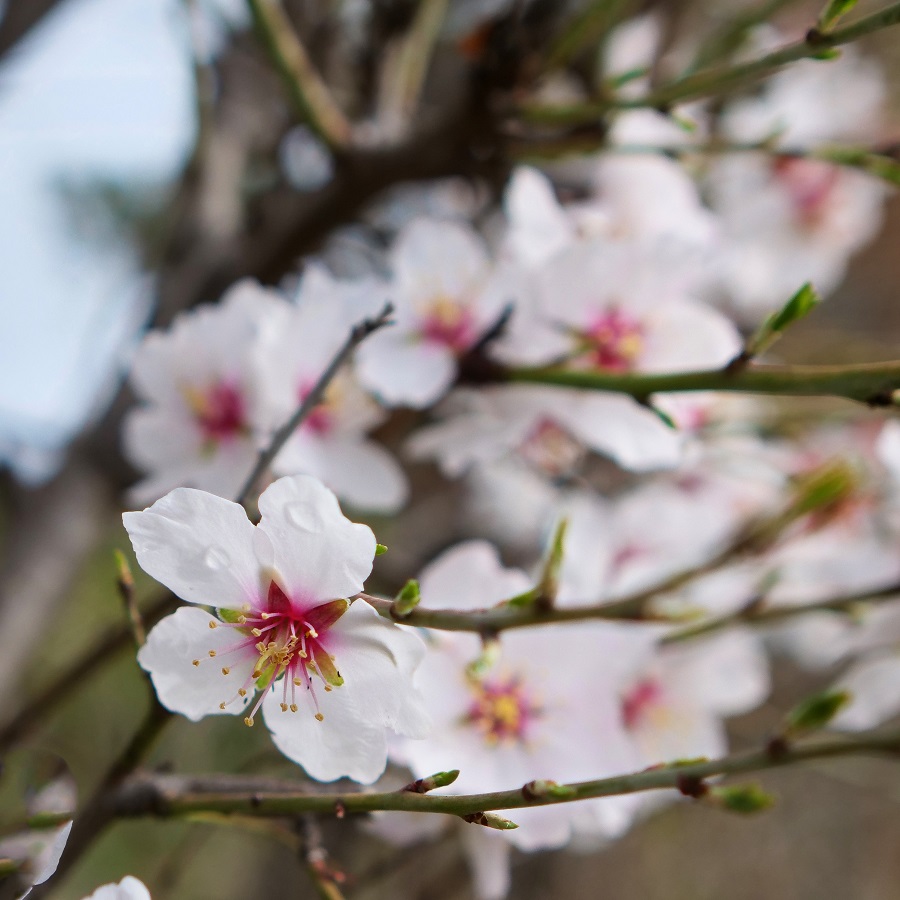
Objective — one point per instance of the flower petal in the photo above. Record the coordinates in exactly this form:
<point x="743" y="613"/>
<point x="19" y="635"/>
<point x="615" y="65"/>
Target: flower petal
<point x="320" y="554"/>
<point x="196" y="691"/>
<point x="198" y="545"/>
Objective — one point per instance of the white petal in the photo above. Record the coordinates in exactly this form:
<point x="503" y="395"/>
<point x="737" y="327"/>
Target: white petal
<point x="488" y="858"/>
<point x="874" y="685"/>
<point x="359" y="471"/>
<point x="195" y="691"/>
<point x="539" y="227"/>
<point x="129" y="888"/>
<point x="198" y="545"/>
<point x="887" y="447"/>
<point x="683" y="336"/>
<point x="320" y="554"/>
<point x="470" y="576"/>
<point x="402" y="371"/>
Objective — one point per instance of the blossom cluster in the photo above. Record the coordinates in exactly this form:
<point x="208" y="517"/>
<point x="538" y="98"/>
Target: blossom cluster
<point x="627" y="263"/>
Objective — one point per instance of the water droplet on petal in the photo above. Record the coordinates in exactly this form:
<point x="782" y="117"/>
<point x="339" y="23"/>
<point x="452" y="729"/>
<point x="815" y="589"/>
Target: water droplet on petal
<point x="303" y="516"/>
<point x="216" y="558"/>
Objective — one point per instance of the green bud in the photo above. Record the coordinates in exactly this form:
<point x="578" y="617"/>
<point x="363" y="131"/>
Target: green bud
<point x="407" y="600"/>
<point x="538" y="790"/>
<point x="548" y="585"/>
<point x="380" y="549"/>
<point x="438" y="780"/>
<point x="827" y="54"/>
<point x="490" y="820"/>
<point x="741" y="798"/>
<point x="825" y="486"/>
<point x="229" y="615"/>
<point x="832" y="12"/>
<point x="800" y="305"/>
<point x="816" y="712"/>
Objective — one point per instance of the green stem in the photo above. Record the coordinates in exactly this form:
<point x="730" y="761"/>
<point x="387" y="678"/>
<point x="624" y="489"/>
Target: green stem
<point x="870" y="383"/>
<point x="161" y="796"/>
<point x="718" y="81"/>
<point x="308" y="92"/>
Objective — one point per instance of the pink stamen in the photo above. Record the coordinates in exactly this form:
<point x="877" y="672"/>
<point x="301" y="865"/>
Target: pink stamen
<point x="219" y="411"/>
<point x="636" y="703"/>
<point x="614" y="341"/>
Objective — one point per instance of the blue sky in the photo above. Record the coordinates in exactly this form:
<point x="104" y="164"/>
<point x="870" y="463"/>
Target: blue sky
<point x="102" y="88"/>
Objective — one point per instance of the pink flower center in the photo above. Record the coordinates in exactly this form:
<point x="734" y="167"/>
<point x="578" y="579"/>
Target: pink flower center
<point x="550" y="448"/>
<point x="502" y="710"/>
<point x="219" y="411"/>
<point x="809" y="184"/>
<point x="614" y="341"/>
<point x="320" y="420"/>
<point x="285" y="642"/>
<point x="639" y="701"/>
<point x="450" y="323"/>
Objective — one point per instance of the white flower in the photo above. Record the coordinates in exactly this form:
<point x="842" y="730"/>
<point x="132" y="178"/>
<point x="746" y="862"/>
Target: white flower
<point x="549" y="428"/>
<point x="547" y="708"/>
<point x="129" y="888"/>
<point x="332" y="674"/>
<point x="873" y="683"/>
<point x="201" y="400"/>
<point x="331" y="443"/>
<point x="618" y="308"/>
<point x="446" y="296"/>
<point x="790" y="220"/>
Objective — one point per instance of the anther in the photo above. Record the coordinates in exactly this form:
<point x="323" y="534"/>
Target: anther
<point x="298" y="682"/>
<point x="212" y="624"/>
<point x="265" y="615"/>
<point x="242" y="692"/>
<point x="195" y="662"/>
<point x="241" y="620"/>
<point x="256" y="631"/>
<point x="221" y="706"/>
<point x="249" y="721"/>
<point x="212" y="653"/>
<point x="320" y="717"/>
<point x="312" y="633"/>
<point x="225" y="670"/>
<point x="293" y="707"/>
<point x="284" y="707"/>
<point x="327" y="688"/>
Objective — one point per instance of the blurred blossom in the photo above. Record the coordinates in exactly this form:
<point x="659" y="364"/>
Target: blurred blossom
<point x="305" y="160"/>
<point x="129" y="888"/>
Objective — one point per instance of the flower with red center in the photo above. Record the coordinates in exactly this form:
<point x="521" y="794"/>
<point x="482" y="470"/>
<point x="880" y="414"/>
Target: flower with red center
<point x="449" y="323"/>
<point x="330" y="675"/>
<point x="614" y="340"/>
<point x="502" y="709"/>
<point x="639" y="701"/>
<point x="219" y="411"/>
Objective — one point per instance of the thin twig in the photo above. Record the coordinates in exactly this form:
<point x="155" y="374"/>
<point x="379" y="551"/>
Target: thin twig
<point x="357" y="335"/>
<point x="308" y="92"/>
<point x="159" y="795"/>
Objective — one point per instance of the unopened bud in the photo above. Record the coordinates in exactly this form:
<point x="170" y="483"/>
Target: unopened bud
<point x="380" y="549"/>
<point x="438" y="780"/>
<point x="490" y="820"/>
<point x="816" y="712"/>
<point x="540" y="790"/>
<point x="741" y="798"/>
<point x="407" y="600"/>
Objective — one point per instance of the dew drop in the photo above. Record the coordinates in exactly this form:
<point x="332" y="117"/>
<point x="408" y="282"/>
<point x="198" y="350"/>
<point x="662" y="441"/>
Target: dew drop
<point x="303" y="516"/>
<point x="216" y="558"/>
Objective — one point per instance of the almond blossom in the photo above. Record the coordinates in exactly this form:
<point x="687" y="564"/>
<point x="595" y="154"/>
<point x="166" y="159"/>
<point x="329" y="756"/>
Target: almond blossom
<point x="791" y="219"/>
<point x="330" y="675"/>
<point x="546" y="707"/>
<point x="331" y="443"/>
<point x="446" y="295"/>
<point x="129" y="888"/>
<point x="200" y="397"/>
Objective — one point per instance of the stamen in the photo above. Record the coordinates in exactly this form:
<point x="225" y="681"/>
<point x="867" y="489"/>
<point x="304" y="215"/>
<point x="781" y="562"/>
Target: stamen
<point x="195" y="662"/>
<point x="212" y="653"/>
<point x="248" y="721"/>
<point x="225" y="670"/>
<point x="212" y="624"/>
<point x="320" y="717"/>
<point x="293" y="707"/>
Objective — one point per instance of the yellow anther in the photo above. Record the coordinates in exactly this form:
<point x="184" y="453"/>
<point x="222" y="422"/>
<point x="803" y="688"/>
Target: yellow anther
<point x="212" y="653"/>
<point x="312" y="633"/>
<point x="261" y="647"/>
<point x="320" y="717"/>
<point x="242" y="692"/>
<point x="293" y="707"/>
<point x="327" y="688"/>
<point x="225" y="670"/>
<point x="221" y="706"/>
<point x="195" y="662"/>
<point x="284" y="707"/>
<point x="302" y="654"/>
<point x="256" y="673"/>
<point x="241" y="620"/>
<point x="255" y="631"/>
<point x="212" y="624"/>
<point x="298" y="682"/>
<point x="248" y="721"/>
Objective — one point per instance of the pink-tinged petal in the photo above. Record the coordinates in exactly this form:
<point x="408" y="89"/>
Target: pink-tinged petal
<point x="488" y="858"/>
<point x="196" y="691"/>
<point x="874" y="688"/>
<point x="470" y="576"/>
<point x="402" y="370"/>
<point x="378" y="662"/>
<point x="319" y="554"/>
<point x="539" y="227"/>
<point x="199" y="546"/>
<point x="615" y="426"/>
